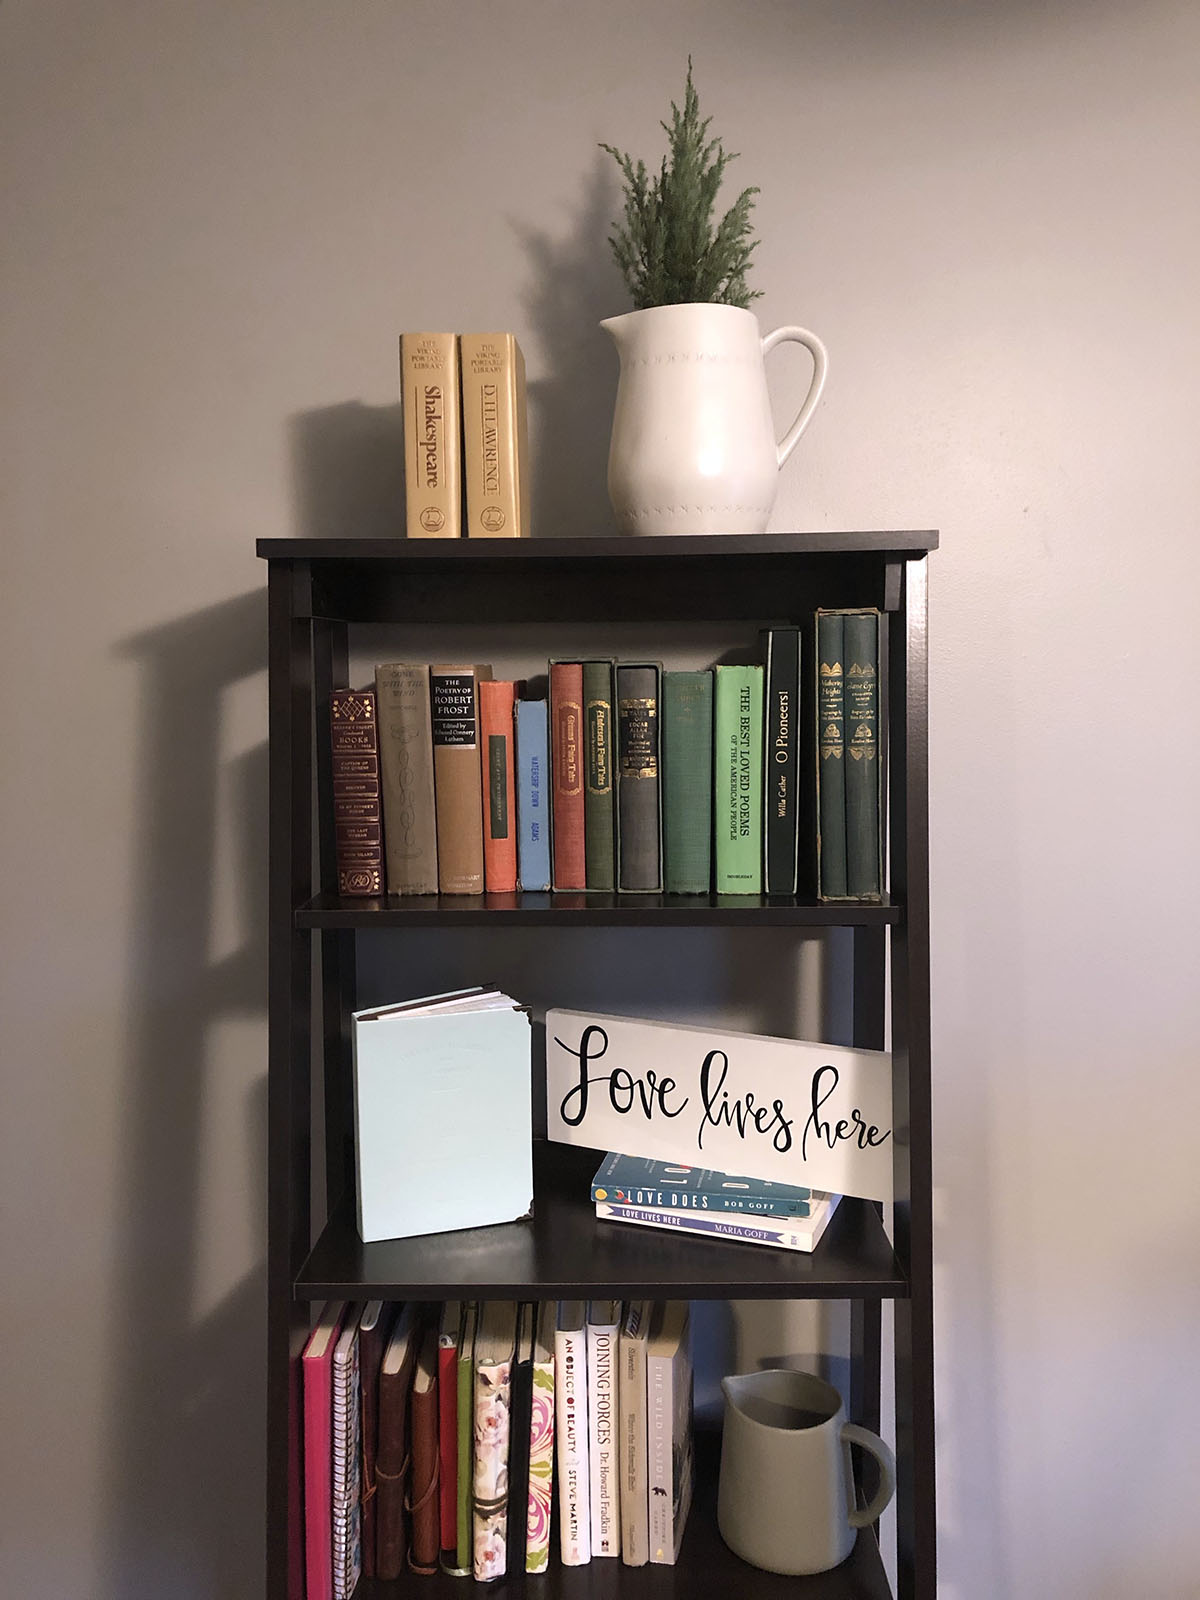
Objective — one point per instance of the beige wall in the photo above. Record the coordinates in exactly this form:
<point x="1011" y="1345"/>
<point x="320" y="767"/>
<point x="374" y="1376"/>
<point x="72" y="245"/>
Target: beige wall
<point x="216" y="218"/>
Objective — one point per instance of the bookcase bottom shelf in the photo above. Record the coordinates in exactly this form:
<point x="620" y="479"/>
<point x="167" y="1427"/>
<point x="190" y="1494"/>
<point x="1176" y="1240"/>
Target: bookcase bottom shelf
<point x="706" y="1568"/>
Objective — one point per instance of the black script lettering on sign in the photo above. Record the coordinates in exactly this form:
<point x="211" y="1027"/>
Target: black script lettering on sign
<point x="865" y="1134"/>
<point x="742" y="1113"/>
<point x="625" y="1092"/>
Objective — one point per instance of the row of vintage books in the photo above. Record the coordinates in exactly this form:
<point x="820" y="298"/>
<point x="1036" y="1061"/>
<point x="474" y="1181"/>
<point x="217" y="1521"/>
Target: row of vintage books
<point x="617" y="776"/>
<point x="485" y="1438"/>
<point x="466" y="453"/>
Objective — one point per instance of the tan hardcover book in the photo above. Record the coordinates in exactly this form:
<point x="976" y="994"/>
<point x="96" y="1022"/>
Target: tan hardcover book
<point x="454" y="722"/>
<point x="406" y="775"/>
<point x="429" y="397"/>
<point x="495" y="436"/>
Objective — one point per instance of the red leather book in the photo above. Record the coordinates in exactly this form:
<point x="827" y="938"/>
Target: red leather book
<point x="498" y="777"/>
<point x="422" y="1503"/>
<point x="448" y="1337"/>
<point x="566" y="774"/>
<point x="391" y="1455"/>
<point x="317" y="1378"/>
<point x="357" y="808"/>
<point x="374" y="1329"/>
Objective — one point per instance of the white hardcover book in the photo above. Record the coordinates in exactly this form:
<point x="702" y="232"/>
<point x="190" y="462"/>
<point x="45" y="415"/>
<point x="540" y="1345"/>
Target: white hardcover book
<point x="571" y="1433"/>
<point x="635" y="1507"/>
<point x="420" y="1069"/>
<point x="346" y="1466"/>
<point x="604" y="1469"/>
<point x="783" y="1233"/>
<point x="669" y="1401"/>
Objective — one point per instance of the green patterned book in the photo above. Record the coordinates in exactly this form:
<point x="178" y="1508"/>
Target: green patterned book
<point x="831" y="765"/>
<point x="687" y="699"/>
<point x="737" y="773"/>
<point x="863" y="841"/>
<point x="598" y="812"/>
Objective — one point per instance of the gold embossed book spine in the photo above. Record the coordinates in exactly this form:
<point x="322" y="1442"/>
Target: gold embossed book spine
<point x="429" y="394"/>
<point x="495" y="436"/>
<point x="357" y="812"/>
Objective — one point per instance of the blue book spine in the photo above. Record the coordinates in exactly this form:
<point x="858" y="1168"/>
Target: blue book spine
<point x="633" y="1180"/>
<point x="533" y="795"/>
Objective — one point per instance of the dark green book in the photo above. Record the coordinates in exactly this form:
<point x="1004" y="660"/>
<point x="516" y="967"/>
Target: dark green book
<point x="737" y="778"/>
<point x="687" y="718"/>
<point x="831" y="765"/>
<point x="781" y="762"/>
<point x="639" y="825"/>
<point x="599" y="840"/>
<point x="861" y="690"/>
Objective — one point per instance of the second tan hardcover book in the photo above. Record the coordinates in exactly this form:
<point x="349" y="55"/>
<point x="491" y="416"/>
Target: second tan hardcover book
<point x="454" y="719"/>
<point x="495" y="436"/>
<point x="429" y="397"/>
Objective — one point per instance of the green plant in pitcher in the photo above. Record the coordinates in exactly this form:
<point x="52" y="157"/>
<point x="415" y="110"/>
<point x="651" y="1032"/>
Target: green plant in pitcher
<point x="666" y="244"/>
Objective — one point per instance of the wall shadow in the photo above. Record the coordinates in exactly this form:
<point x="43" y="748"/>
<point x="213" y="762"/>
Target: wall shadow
<point x="184" y="1438"/>
<point x="347" y="463"/>
<point x="573" y="284"/>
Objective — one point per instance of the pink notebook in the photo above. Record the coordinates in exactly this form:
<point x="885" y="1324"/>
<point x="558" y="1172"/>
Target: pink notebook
<point x="317" y="1365"/>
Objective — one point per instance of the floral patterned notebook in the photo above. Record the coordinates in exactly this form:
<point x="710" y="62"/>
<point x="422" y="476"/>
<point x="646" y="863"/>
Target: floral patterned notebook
<point x="541" y="1444"/>
<point x="494" y="1348"/>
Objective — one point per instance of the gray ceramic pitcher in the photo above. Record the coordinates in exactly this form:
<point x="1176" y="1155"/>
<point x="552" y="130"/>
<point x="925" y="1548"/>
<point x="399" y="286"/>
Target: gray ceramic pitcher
<point x="786" y="1498"/>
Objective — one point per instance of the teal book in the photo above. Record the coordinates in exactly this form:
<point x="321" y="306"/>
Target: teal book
<point x="687" y="714"/>
<point x="422" y="1070"/>
<point x="638" y="1181"/>
<point x="831" y="765"/>
<point x="737" y="778"/>
<point x="599" y="822"/>
<point x="864" y="844"/>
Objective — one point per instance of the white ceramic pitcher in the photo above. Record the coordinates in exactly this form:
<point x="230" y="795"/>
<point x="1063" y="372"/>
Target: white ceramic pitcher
<point x="693" y="443"/>
<point x="786" y="1496"/>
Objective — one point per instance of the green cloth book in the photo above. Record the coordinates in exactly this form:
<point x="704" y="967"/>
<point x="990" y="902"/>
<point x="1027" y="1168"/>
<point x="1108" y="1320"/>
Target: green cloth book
<point x="737" y="778"/>
<point x="687" y="751"/>
<point x="861" y="692"/>
<point x="599" y="838"/>
<point x="831" y="765"/>
<point x="465" y="1420"/>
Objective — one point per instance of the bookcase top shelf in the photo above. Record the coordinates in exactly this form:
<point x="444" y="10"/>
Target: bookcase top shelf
<point x="900" y="545"/>
<point x="592" y="910"/>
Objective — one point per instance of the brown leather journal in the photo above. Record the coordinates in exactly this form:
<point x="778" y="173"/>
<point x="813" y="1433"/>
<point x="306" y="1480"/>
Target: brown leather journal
<point x="422" y="1501"/>
<point x="392" y="1451"/>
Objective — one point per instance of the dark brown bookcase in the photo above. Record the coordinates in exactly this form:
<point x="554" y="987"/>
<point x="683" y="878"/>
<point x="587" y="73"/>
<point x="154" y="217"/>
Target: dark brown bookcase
<point x="319" y="590"/>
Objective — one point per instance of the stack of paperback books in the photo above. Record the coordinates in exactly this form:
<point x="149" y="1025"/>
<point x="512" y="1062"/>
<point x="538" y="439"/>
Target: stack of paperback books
<point x="446" y="1436"/>
<point x="617" y="776"/>
<point x="715" y="1205"/>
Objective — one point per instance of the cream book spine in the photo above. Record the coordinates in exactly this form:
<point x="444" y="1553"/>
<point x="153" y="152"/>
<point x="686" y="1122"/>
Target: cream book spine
<point x="429" y="398"/>
<point x="495" y="436"/>
<point x="603" y="1329"/>
<point x="571" y="1433"/>
<point x="635" y="1488"/>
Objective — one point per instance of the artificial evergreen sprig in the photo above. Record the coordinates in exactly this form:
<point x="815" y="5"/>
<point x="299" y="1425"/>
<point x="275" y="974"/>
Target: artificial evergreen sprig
<point x="667" y="249"/>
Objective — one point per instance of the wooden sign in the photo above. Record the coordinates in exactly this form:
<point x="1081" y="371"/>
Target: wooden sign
<point x="783" y="1109"/>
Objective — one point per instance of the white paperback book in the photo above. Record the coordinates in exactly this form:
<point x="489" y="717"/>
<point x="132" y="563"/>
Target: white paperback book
<point x="785" y="1233"/>
<point x="428" y="1076"/>
<point x="571" y="1433"/>
<point x="603" y="1331"/>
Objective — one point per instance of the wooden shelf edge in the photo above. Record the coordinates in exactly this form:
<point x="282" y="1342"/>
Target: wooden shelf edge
<point x="593" y="910"/>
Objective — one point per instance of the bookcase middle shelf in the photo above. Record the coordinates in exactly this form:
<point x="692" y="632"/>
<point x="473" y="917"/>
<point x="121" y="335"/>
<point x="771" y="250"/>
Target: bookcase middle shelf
<point x="565" y="909"/>
<point x="563" y="1251"/>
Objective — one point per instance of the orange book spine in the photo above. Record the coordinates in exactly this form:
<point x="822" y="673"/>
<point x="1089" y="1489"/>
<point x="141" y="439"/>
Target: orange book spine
<point x="566" y="774"/>
<point x="497" y="776"/>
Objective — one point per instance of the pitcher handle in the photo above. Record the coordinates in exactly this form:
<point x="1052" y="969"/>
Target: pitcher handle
<point x="871" y="1442"/>
<point x="820" y="365"/>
